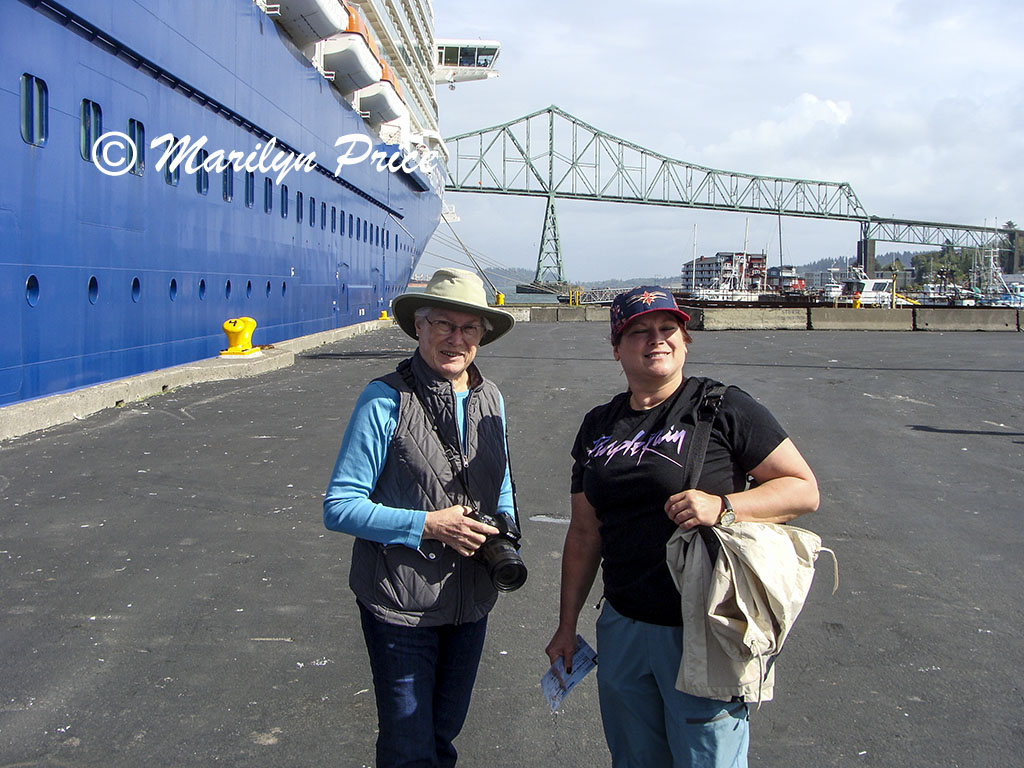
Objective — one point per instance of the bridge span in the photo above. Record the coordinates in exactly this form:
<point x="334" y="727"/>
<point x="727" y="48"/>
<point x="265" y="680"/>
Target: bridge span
<point x="554" y="155"/>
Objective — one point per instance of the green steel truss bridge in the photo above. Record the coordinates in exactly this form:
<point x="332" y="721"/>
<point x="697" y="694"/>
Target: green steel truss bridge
<point x="553" y="154"/>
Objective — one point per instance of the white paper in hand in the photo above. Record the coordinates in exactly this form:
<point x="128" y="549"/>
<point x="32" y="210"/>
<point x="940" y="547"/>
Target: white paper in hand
<point x="584" y="660"/>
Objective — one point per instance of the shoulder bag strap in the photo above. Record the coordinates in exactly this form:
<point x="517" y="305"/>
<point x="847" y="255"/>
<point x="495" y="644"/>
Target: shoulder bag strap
<point x="707" y="409"/>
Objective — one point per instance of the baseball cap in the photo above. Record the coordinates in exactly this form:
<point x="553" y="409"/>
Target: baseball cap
<point x="629" y="305"/>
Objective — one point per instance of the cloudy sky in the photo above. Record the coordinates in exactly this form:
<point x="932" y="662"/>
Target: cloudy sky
<point x="919" y="104"/>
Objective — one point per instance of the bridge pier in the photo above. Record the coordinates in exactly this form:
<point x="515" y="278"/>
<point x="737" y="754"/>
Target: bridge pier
<point x="865" y="252"/>
<point x="549" y="258"/>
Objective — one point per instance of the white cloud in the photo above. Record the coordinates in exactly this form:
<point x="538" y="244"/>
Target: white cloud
<point x="918" y="104"/>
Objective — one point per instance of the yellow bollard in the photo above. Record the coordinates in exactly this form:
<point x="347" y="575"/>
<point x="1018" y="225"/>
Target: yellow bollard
<point x="239" y="332"/>
<point x="383" y="315"/>
<point x="499" y="299"/>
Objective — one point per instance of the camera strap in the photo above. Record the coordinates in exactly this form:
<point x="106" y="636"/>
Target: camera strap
<point x="455" y="458"/>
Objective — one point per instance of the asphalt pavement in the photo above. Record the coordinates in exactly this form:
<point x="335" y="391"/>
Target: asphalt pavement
<point x="170" y="596"/>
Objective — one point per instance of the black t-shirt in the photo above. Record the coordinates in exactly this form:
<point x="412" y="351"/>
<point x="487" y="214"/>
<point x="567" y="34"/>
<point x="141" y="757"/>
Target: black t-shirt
<point x="629" y="462"/>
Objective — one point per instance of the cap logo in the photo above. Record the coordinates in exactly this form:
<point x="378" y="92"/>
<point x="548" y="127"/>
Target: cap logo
<point x="649" y="298"/>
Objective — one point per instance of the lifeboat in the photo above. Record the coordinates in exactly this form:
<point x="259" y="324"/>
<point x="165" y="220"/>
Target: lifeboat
<point x="383" y="100"/>
<point x="307" y="21"/>
<point x="352" y="55"/>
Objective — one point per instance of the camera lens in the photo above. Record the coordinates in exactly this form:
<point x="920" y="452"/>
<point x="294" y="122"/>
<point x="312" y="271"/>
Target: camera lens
<point x="508" y="576"/>
<point x="506" y="568"/>
<point x="501" y="556"/>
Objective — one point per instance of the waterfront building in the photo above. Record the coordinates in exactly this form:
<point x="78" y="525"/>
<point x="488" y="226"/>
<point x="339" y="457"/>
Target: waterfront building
<point x="726" y="270"/>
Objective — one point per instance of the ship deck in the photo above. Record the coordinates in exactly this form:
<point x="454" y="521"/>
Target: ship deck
<point x="171" y="598"/>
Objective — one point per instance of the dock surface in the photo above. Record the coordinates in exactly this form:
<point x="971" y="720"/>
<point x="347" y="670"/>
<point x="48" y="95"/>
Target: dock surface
<point x="171" y="598"/>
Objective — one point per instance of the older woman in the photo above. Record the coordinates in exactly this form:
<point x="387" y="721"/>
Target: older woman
<point x="627" y="499"/>
<point x="424" y="448"/>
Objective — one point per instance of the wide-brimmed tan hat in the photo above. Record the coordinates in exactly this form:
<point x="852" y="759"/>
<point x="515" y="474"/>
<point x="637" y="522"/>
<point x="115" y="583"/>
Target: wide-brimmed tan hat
<point x="456" y="289"/>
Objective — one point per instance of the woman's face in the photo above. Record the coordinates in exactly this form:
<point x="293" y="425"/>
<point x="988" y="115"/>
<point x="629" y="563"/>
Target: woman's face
<point x="448" y="342"/>
<point x="652" y="348"/>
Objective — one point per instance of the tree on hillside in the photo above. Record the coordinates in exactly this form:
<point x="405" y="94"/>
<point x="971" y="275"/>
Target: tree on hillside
<point x="949" y="264"/>
<point x="927" y="265"/>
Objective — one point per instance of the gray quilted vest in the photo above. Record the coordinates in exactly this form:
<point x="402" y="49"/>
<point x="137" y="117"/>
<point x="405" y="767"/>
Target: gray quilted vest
<point x="432" y="585"/>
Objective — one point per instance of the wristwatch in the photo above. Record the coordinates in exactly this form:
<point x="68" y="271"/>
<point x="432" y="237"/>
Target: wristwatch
<point x="728" y="516"/>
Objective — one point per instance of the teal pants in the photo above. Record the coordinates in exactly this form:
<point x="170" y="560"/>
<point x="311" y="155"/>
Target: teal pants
<point x="647" y="722"/>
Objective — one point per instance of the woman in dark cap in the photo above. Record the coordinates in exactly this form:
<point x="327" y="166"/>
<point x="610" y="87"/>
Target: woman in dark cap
<point x="424" y="449"/>
<point x="627" y="500"/>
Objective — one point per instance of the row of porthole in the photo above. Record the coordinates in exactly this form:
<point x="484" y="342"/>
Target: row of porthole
<point x="32" y="289"/>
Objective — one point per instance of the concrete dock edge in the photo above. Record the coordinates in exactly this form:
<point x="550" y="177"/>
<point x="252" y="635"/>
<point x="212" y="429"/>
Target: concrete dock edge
<point x="966" y="319"/>
<point x="755" y="318"/>
<point x="32" y="415"/>
<point x="22" y="418"/>
<point x="849" y="319"/>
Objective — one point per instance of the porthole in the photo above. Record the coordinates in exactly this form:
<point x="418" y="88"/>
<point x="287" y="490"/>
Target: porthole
<point x="136" y="289"/>
<point x="248" y="290"/>
<point x="202" y="289"/>
<point x="94" y="290"/>
<point x="268" y="289"/>
<point x="172" y="291"/>
<point x="227" y="289"/>
<point x="32" y="290"/>
<point x="284" y="288"/>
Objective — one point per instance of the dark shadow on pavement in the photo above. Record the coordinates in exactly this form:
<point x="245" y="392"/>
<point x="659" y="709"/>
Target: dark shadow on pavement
<point x="988" y="432"/>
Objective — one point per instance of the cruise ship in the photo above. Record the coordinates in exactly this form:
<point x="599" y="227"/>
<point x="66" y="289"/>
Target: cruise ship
<point x="171" y="166"/>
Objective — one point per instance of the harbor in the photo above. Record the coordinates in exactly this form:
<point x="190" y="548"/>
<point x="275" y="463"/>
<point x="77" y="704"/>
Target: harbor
<point x="170" y="594"/>
<point x="171" y="597"/>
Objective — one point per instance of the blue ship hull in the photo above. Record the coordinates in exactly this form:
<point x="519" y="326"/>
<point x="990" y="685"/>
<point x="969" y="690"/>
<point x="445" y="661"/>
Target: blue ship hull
<point x="107" y="276"/>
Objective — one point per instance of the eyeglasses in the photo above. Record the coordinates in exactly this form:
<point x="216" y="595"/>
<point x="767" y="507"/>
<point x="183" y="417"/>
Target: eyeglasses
<point x="471" y="332"/>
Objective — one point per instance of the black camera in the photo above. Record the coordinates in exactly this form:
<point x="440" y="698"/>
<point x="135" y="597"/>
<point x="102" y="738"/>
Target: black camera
<point x="500" y="553"/>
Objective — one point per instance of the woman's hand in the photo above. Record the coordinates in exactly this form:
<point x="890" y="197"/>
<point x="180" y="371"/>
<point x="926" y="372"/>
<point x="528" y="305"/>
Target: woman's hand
<point x="453" y="527"/>
<point x="689" y="509"/>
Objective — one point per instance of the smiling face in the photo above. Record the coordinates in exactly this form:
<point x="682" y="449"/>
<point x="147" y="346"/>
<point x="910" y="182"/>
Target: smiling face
<point x="652" y="350"/>
<point x="449" y="354"/>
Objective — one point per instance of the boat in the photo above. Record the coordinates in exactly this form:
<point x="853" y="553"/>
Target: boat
<point x="725" y="278"/>
<point x="719" y="294"/>
<point x="309" y="21"/>
<point x="350" y="57"/>
<point x="382" y="102"/>
<point x="294" y="201"/>
<point x="989" y="284"/>
<point x="946" y="294"/>
<point x="830" y="292"/>
<point x="861" y="290"/>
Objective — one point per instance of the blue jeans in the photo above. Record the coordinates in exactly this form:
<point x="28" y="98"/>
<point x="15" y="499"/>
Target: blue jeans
<point x="647" y="722"/>
<point x="423" y="679"/>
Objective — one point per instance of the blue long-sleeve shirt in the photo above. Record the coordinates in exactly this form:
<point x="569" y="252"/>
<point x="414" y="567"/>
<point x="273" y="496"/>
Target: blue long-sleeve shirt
<point x="364" y="450"/>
